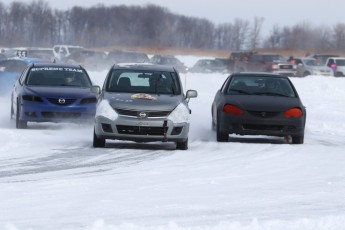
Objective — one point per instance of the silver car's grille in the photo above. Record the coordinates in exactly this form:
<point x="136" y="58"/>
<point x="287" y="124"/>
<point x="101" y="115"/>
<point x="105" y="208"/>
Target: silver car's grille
<point x="136" y="113"/>
<point x="140" y="130"/>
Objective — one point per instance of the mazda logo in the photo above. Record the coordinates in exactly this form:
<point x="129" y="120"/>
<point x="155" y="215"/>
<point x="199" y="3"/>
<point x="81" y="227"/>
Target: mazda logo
<point x="62" y="101"/>
<point x="263" y="114"/>
<point x="142" y="115"/>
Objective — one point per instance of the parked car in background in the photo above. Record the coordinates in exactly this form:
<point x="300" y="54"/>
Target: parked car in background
<point x="169" y="60"/>
<point x="209" y="66"/>
<point x="63" y="51"/>
<point x="338" y="65"/>
<point x="322" y="58"/>
<point x="310" y="66"/>
<point x="48" y="92"/>
<point x="143" y="103"/>
<point x="9" y="52"/>
<point x="10" y="70"/>
<point x="258" y="104"/>
<point x="42" y="53"/>
<point x="92" y="60"/>
<point x="272" y="63"/>
<point x="125" y="56"/>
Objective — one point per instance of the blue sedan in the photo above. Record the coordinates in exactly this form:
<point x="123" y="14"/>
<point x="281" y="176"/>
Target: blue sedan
<point x="53" y="93"/>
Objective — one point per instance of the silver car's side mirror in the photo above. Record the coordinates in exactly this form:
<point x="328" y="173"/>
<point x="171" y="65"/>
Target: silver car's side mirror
<point x="191" y="93"/>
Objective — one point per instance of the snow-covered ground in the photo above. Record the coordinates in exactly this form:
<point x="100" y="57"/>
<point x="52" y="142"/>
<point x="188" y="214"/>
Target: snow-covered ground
<point x="51" y="178"/>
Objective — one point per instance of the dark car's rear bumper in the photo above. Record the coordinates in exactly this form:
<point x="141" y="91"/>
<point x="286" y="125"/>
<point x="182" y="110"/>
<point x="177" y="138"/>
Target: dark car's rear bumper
<point x="250" y="125"/>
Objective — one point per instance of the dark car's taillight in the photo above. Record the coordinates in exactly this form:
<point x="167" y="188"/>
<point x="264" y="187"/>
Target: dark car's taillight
<point x="294" y="112"/>
<point x="232" y="109"/>
<point x="31" y="98"/>
<point x="88" y="100"/>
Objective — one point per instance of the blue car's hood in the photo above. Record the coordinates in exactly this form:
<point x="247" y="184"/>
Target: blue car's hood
<point x="66" y="92"/>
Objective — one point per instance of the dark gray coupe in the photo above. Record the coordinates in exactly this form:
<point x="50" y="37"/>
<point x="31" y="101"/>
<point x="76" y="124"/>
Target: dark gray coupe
<point x="143" y="103"/>
<point x="258" y="104"/>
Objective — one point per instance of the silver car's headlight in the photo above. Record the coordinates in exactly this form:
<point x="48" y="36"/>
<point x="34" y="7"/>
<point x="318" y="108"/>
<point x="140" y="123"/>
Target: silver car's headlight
<point x="180" y="114"/>
<point x="104" y="109"/>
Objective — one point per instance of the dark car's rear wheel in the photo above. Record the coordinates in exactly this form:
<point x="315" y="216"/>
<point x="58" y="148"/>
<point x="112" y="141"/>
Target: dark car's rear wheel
<point x="182" y="145"/>
<point x="221" y="136"/>
<point x="19" y="123"/>
<point x="297" y="139"/>
<point x="98" y="142"/>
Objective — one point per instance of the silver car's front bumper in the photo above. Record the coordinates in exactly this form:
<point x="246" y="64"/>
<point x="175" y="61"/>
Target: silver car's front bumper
<point x="140" y="129"/>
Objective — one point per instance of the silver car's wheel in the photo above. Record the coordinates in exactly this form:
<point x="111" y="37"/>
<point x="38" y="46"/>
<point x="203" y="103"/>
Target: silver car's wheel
<point x="182" y="145"/>
<point x="98" y="142"/>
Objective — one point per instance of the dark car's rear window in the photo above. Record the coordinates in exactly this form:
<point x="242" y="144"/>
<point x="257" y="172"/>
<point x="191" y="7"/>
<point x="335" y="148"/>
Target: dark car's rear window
<point x="260" y="85"/>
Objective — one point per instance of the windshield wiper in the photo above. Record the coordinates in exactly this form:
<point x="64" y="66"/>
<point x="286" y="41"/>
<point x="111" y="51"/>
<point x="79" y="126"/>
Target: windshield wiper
<point x="271" y="94"/>
<point x="241" y="91"/>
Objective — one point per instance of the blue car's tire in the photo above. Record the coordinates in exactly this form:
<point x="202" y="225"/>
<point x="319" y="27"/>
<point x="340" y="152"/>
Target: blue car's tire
<point x="19" y="123"/>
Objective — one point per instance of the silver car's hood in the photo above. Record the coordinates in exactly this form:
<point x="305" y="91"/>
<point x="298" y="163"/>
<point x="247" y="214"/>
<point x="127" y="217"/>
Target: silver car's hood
<point x="142" y="101"/>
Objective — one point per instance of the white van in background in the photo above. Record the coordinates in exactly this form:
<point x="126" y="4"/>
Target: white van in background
<point x="63" y="51"/>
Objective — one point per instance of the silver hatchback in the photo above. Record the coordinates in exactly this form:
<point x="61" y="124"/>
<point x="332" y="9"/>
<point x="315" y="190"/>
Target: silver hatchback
<point x="143" y="103"/>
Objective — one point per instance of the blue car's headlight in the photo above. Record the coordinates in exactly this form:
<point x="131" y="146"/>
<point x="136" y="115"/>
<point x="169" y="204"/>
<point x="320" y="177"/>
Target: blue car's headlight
<point x="180" y="114"/>
<point x="105" y="110"/>
<point x="31" y="98"/>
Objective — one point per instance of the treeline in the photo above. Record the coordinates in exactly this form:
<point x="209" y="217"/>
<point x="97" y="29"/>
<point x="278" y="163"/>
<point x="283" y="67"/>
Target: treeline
<point x="37" y="24"/>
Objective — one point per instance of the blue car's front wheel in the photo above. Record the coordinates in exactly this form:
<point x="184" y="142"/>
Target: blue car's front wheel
<point x="19" y="123"/>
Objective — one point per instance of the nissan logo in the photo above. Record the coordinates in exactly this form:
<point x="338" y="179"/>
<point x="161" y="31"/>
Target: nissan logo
<point x="62" y="101"/>
<point x="142" y="115"/>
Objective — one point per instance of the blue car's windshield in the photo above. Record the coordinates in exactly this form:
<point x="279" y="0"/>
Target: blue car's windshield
<point x="58" y="76"/>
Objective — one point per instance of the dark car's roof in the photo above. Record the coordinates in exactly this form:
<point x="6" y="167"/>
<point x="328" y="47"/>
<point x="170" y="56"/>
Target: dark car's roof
<point x="143" y="66"/>
<point x="258" y="74"/>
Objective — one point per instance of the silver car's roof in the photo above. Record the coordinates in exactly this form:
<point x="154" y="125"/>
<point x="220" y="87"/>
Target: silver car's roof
<point x="144" y="66"/>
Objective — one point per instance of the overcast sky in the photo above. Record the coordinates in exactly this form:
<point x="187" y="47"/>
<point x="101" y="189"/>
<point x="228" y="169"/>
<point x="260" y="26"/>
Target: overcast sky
<point x="315" y="12"/>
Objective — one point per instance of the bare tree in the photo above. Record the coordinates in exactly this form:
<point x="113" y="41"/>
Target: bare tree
<point x="240" y="31"/>
<point x="254" y="33"/>
<point x="339" y="36"/>
<point x="274" y="38"/>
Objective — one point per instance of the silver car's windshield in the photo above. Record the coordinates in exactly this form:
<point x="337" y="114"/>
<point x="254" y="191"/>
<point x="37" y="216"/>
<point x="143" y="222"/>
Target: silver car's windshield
<point x="131" y="81"/>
